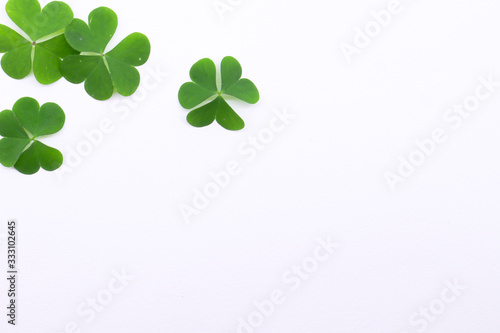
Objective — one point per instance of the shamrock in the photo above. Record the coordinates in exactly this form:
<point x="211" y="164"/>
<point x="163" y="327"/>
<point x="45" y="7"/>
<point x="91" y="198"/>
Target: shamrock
<point x="43" y="51"/>
<point x="104" y="72"/>
<point x="21" y="127"/>
<point x="204" y="87"/>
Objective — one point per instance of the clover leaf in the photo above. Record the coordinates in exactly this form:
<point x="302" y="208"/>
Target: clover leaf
<point x="46" y="46"/>
<point x="20" y="128"/>
<point x="204" y="86"/>
<point x="102" y="72"/>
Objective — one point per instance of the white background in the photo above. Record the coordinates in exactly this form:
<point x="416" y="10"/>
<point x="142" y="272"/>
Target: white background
<point x="322" y="176"/>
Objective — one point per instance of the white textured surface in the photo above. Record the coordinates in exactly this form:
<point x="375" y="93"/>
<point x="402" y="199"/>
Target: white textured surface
<point x="322" y="176"/>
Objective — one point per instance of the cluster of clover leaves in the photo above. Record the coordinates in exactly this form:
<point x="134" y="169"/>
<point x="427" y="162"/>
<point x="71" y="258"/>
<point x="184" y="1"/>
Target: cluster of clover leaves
<point x="21" y="128"/>
<point x="204" y="87"/>
<point x="54" y="45"/>
<point x="57" y="45"/>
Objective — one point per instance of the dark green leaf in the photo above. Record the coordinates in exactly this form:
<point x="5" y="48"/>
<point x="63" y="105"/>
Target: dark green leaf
<point x="217" y="109"/>
<point x="50" y="159"/>
<point x="11" y="149"/>
<point x="227" y="118"/>
<point x="204" y="115"/>
<point x="245" y="90"/>
<point x="191" y="95"/>
<point x="39" y="155"/>
<point x="231" y="71"/>
<point x="77" y="68"/>
<point x="203" y="73"/>
<point x="27" y="116"/>
<point x="10" y="126"/>
<point x="28" y="162"/>
<point x="104" y="73"/>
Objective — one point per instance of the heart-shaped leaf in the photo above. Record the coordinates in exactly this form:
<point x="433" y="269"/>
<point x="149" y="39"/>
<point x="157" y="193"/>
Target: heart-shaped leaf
<point x="104" y="73"/>
<point x="39" y="155"/>
<point x="44" y="58"/>
<point x="20" y="129"/>
<point x="39" y="121"/>
<point x="204" y="86"/>
<point x="48" y="57"/>
<point x="95" y="36"/>
<point x="37" y="23"/>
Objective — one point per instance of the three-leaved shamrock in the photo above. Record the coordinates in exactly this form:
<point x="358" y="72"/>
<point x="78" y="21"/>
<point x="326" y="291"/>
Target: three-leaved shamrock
<point x="204" y="87"/>
<point x="21" y="127"/>
<point x="102" y="72"/>
<point x="45" y="46"/>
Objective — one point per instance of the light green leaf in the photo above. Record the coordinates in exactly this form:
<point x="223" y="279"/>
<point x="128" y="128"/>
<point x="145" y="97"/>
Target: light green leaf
<point x="37" y="23"/>
<point x="17" y="62"/>
<point x="48" y="58"/>
<point x="44" y="58"/>
<point x="133" y="50"/>
<point x="95" y="36"/>
<point x="99" y="85"/>
<point x="9" y="39"/>
<point x="125" y="78"/>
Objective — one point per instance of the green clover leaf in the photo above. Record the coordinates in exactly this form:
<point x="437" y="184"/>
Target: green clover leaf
<point x="46" y="46"/>
<point x="20" y="129"/>
<point x="102" y="72"/>
<point x="204" y="87"/>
